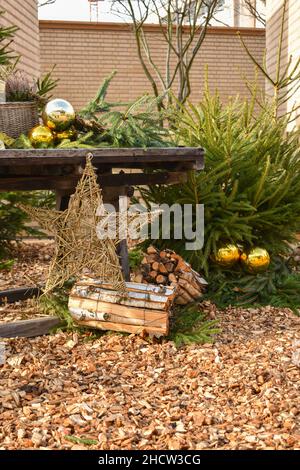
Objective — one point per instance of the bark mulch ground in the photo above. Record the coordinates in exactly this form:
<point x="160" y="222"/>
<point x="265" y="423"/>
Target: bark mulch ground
<point x="66" y="391"/>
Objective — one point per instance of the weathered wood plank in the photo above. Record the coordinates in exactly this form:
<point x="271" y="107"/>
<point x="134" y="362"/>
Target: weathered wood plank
<point x="136" y="329"/>
<point x="145" y="316"/>
<point x="130" y="286"/>
<point x="83" y="314"/>
<point x="111" y="152"/>
<point x="134" y="299"/>
<point x="69" y="182"/>
<point x="112" y="318"/>
<point x="21" y="293"/>
<point x="28" y="328"/>
<point x="111" y="156"/>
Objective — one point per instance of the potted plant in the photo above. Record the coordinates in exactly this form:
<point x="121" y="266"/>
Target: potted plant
<point x="20" y="95"/>
<point x="24" y="96"/>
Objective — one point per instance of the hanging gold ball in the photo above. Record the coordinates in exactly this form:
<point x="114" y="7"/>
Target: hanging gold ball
<point x="58" y="115"/>
<point x="41" y="136"/>
<point x="257" y="260"/>
<point x="70" y="134"/>
<point x="227" y="255"/>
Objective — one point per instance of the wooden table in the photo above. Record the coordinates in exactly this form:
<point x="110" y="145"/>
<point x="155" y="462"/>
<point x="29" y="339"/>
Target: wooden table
<point x="60" y="170"/>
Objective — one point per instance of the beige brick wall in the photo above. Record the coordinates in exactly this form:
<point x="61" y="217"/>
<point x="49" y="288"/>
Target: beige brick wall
<point x="291" y="39"/>
<point x="86" y="53"/>
<point x="23" y="13"/>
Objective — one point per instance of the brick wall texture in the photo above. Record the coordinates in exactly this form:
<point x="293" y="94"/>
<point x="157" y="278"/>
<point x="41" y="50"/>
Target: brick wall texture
<point x="24" y="15"/>
<point x="291" y="39"/>
<point x="86" y="53"/>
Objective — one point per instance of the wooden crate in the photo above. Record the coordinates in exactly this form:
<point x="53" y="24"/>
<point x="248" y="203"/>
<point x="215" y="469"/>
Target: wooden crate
<point x="146" y="307"/>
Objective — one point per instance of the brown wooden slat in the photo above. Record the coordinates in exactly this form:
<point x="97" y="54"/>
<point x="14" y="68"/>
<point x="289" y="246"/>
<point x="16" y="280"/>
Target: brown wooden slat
<point x="141" y="314"/>
<point x="30" y="183"/>
<point x="20" y="293"/>
<point x="122" y="327"/>
<point x="28" y="328"/>
<point x="111" y="156"/>
<point x="133" y="299"/>
<point x="130" y="286"/>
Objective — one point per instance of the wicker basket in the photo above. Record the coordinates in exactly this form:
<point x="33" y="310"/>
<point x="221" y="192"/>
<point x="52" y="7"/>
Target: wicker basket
<point x="18" y="118"/>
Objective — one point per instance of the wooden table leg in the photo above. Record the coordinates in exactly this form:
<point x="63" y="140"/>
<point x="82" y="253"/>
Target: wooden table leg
<point x="123" y="248"/>
<point x="118" y="197"/>
<point x="62" y="200"/>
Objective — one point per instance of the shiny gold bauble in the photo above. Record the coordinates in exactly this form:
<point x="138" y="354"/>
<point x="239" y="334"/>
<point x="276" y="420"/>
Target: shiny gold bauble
<point x="67" y="134"/>
<point x="41" y="136"/>
<point x="256" y="260"/>
<point x="58" y="115"/>
<point x="227" y="255"/>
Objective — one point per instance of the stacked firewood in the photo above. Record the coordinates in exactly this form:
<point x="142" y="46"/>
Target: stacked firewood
<point x="168" y="268"/>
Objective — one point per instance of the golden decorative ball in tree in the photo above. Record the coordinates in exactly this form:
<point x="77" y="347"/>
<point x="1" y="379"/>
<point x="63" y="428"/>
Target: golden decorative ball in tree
<point x="41" y="136"/>
<point x="70" y="134"/>
<point x="257" y="260"/>
<point x="58" y="115"/>
<point x="227" y="255"/>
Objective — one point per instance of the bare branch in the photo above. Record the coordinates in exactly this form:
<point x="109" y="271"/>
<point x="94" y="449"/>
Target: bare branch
<point x="253" y="10"/>
<point x="42" y="3"/>
<point x="182" y="25"/>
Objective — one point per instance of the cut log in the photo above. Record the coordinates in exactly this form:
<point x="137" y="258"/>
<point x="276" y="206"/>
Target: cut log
<point x="155" y="266"/>
<point x="177" y="257"/>
<point x="162" y="268"/>
<point x="160" y="279"/>
<point x="190" y="279"/>
<point x="185" y="295"/>
<point x="138" y="278"/>
<point x="151" y="258"/>
<point x="182" y="266"/>
<point x="153" y="274"/>
<point x="180" y="300"/>
<point x="151" y="250"/>
<point x="172" y="278"/>
<point x="188" y="276"/>
<point x="195" y="293"/>
<point x="169" y="267"/>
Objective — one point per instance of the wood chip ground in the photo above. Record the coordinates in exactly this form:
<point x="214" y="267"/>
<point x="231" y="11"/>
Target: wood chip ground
<point x="120" y="392"/>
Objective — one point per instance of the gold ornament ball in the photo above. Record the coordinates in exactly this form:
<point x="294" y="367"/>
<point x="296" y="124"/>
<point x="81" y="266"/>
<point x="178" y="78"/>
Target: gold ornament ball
<point x="40" y="135"/>
<point x="256" y="260"/>
<point x="58" y="115"/>
<point x="227" y="255"/>
<point x="67" y="134"/>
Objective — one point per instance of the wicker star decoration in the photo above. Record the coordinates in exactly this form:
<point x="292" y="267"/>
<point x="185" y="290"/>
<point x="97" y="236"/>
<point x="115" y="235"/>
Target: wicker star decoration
<point x="78" y="247"/>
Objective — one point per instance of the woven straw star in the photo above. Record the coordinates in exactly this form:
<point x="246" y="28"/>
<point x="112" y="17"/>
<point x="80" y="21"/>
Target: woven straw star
<point x="78" y="248"/>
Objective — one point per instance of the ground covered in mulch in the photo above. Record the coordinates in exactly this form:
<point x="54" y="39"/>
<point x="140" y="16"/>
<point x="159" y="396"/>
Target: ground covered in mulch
<point x="66" y="391"/>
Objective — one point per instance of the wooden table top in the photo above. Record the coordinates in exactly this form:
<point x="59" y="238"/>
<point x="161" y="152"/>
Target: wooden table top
<point x="192" y="158"/>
